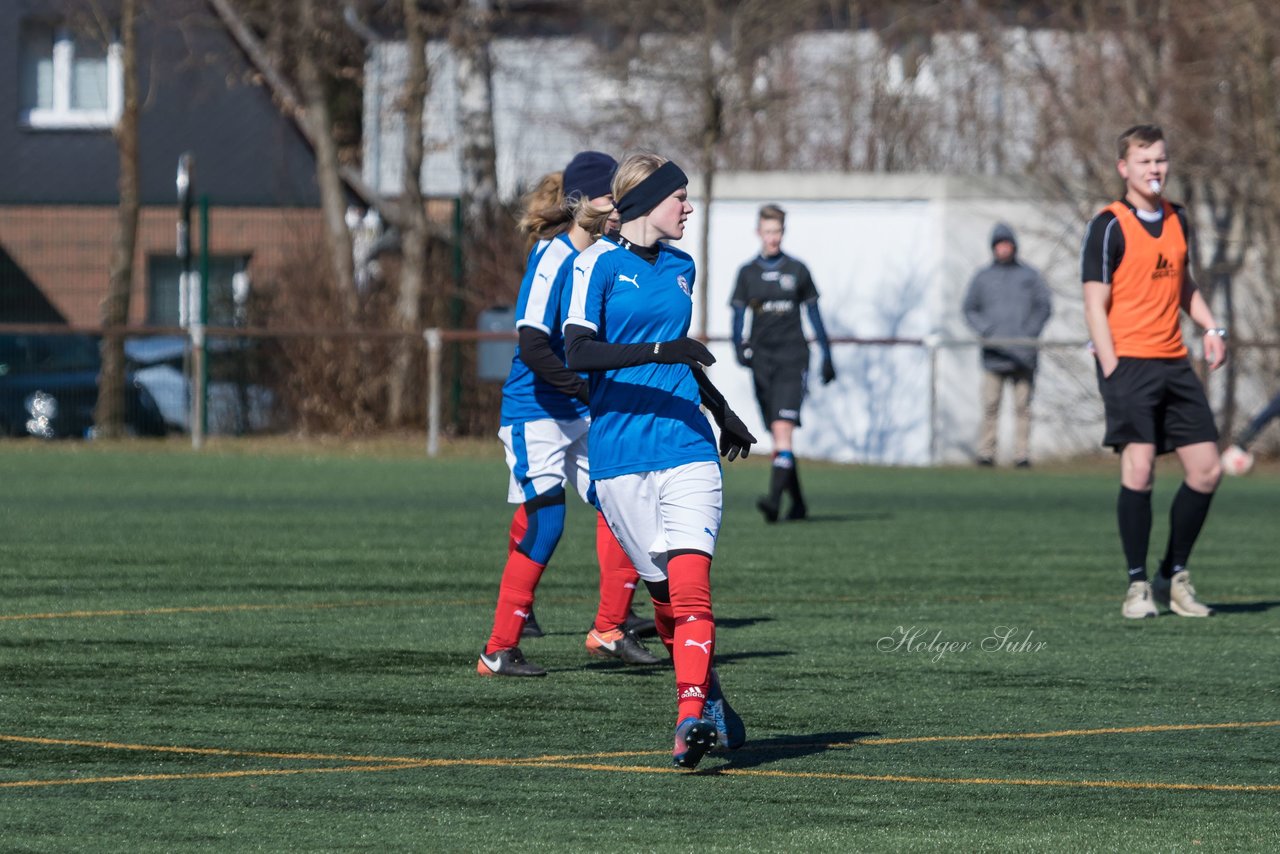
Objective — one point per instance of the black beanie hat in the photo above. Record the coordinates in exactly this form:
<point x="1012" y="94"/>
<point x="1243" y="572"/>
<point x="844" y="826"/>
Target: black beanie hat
<point x="589" y="175"/>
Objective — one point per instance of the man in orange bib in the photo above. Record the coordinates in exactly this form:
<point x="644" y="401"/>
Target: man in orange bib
<point x="1137" y="279"/>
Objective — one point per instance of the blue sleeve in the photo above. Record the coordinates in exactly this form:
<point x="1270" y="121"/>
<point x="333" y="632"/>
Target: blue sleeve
<point x="819" y="331"/>
<point x="739" y="322"/>
<point x="538" y="305"/>
<point x="592" y="278"/>
<point x="590" y="281"/>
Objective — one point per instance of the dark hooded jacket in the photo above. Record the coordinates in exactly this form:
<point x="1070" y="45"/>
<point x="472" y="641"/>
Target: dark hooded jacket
<point x="1007" y="300"/>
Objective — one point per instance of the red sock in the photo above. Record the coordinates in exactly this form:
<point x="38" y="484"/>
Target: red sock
<point x="515" y="598"/>
<point x="519" y="526"/>
<point x="665" y="622"/>
<point x="618" y="578"/>
<point x="689" y="576"/>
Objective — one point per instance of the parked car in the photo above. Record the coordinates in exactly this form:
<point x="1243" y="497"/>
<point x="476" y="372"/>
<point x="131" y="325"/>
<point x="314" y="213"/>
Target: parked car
<point x="49" y="387"/>
<point x="235" y="406"/>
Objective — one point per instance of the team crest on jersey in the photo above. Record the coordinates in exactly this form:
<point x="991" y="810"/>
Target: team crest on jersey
<point x="684" y="285"/>
<point x="787" y="281"/>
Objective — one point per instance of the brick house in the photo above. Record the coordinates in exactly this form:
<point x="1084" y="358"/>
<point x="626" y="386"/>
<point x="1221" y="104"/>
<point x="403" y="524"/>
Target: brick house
<point x="59" y="162"/>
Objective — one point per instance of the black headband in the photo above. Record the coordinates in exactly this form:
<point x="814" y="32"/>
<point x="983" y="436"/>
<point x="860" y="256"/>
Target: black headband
<point x="646" y="195"/>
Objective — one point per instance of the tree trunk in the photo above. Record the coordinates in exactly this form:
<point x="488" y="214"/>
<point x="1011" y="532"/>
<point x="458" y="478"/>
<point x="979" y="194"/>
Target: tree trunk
<point x="470" y="41"/>
<point x="712" y="131"/>
<point x="413" y="233"/>
<point x="290" y="101"/>
<point x="333" y="196"/>
<point x="108" y="415"/>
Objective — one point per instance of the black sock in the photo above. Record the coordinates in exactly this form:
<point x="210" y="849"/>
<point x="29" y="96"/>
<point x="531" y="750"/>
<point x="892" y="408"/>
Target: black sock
<point x="780" y="475"/>
<point x="1133" y="512"/>
<point x="793" y="484"/>
<point x="1186" y="518"/>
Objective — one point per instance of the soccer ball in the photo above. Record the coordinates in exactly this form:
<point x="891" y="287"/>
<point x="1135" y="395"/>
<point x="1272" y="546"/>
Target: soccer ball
<point x="1236" y="460"/>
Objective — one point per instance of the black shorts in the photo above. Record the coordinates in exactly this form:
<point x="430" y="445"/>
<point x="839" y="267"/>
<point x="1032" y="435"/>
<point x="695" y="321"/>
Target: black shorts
<point x="1158" y="402"/>
<point x="780" y="386"/>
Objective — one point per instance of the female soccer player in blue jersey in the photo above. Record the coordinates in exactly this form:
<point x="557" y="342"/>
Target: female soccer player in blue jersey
<point x="544" y="430"/>
<point x="653" y="453"/>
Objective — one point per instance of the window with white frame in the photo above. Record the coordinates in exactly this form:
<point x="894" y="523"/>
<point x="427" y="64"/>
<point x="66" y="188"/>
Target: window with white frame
<point x="228" y="290"/>
<point x="68" y="79"/>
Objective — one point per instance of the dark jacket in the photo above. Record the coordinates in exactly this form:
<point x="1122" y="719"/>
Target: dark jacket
<point x="1007" y="300"/>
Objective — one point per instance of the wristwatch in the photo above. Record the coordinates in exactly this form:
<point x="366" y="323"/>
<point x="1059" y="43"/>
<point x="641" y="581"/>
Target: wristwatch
<point x="1220" y="331"/>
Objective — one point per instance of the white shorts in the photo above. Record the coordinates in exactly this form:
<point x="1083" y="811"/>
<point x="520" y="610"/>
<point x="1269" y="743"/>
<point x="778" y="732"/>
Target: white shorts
<point x="655" y="512"/>
<point x="546" y="454"/>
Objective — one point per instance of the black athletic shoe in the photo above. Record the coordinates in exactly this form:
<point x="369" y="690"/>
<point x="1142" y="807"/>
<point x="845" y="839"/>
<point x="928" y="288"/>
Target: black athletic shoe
<point x="769" y="509"/>
<point x="639" y="626"/>
<point x="531" y="628"/>
<point x="619" y="644"/>
<point x="799" y="510"/>
<point x="507" y="662"/>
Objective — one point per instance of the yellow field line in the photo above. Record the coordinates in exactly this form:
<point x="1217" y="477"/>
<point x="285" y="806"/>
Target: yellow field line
<point x="903" y="778"/>
<point x="927" y="739"/>
<point x="625" y="754"/>
<point x="227" y="609"/>
<point x="398" y="765"/>
<point x="1062" y="733"/>
<point x="204" y="751"/>
<point x="207" y="775"/>
<point x="1132" y="785"/>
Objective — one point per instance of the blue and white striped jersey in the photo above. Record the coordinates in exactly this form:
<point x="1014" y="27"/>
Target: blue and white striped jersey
<point x="526" y="397"/>
<point x="646" y="417"/>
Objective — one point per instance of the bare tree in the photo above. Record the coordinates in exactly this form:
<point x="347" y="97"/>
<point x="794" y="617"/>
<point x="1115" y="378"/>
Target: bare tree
<point x="1206" y="73"/>
<point x="109" y="412"/>
<point x="469" y="36"/>
<point x="691" y="107"/>
<point x="333" y="194"/>
<point x="304" y="45"/>
<point x="413" y="229"/>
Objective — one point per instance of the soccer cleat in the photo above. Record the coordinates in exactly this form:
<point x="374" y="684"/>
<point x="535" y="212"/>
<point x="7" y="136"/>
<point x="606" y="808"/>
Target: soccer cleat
<point x="1138" y="602"/>
<point x="768" y="508"/>
<point x="731" y="732"/>
<point x="616" y="643"/>
<point x="507" y="662"/>
<point x="639" y="626"/>
<point x="531" y="628"/>
<point x="694" y="737"/>
<point x="1179" y="596"/>
<point x="799" y="510"/>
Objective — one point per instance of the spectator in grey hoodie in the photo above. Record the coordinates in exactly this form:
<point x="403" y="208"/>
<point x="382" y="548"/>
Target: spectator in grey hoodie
<point x="1006" y="300"/>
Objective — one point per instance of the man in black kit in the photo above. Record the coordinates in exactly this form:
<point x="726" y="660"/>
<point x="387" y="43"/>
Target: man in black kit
<point x="773" y="286"/>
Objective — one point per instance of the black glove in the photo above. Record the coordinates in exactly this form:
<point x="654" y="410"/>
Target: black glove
<point x="744" y="354"/>
<point x="828" y="371"/>
<point x="682" y="351"/>
<point x="735" y="438"/>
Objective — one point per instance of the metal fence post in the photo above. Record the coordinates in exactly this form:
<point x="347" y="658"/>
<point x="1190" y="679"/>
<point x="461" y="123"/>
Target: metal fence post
<point x="931" y="343"/>
<point x="199" y="337"/>
<point x="435" y="345"/>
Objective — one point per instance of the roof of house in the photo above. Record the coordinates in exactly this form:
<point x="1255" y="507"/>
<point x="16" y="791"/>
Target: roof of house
<point x="199" y="94"/>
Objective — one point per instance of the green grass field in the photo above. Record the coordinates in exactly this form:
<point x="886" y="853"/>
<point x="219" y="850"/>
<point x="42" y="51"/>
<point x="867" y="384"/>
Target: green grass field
<point x="277" y="651"/>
